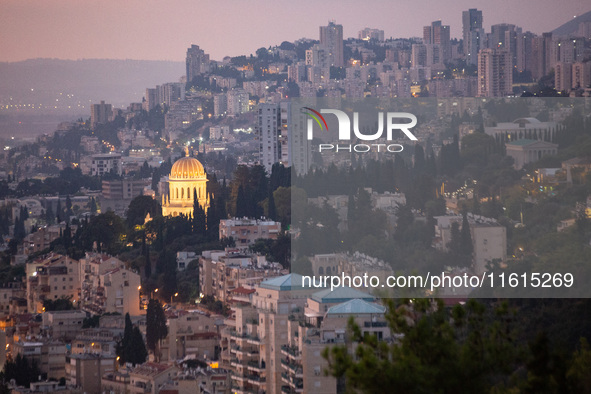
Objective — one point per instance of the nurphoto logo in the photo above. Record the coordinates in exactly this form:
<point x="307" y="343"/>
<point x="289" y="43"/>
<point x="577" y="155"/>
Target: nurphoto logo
<point x="393" y="120"/>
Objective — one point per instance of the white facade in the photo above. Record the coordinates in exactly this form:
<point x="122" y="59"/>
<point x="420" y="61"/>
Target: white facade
<point x="495" y="74"/>
<point x="105" y="163"/>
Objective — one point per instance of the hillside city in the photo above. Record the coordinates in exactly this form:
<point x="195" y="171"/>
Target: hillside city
<point x="160" y="248"/>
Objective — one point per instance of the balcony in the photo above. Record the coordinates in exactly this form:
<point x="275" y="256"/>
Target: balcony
<point x="236" y="335"/>
<point x="255" y="366"/>
<point x="234" y="362"/>
<point x="252" y="352"/>
<point x="296" y="383"/>
<point x="238" y="378"/>
<point x="253" y="339"/>
<point x="256" y="380"/>
<point x="291" y="352"/>
<point x="293" y="368"/>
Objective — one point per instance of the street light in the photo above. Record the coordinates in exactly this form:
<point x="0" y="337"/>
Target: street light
<point x="175" y="295"/>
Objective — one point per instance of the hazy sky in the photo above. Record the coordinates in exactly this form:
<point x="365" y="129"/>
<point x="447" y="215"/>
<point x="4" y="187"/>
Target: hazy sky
<point x="163" y="29"/>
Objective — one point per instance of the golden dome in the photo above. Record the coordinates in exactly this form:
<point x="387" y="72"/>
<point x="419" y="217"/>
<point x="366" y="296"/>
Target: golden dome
<point x="187" y="168"/>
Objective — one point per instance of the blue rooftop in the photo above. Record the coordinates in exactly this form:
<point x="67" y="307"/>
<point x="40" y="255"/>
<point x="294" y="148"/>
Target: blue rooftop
<point x="285" y="282"/>
<point x="356" y="307"/>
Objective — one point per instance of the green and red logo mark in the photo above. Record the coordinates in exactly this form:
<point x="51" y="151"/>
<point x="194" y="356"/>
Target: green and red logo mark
<point x="317" y="117"/>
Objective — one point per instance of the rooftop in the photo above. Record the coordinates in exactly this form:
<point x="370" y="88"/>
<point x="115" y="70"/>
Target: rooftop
<point x="356" y="307"/>
<point x="150" y="369"/>
<point x="285" y="282"/>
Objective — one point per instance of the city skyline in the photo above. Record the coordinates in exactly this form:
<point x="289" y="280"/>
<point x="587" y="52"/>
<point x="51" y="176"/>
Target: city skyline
<point x="70" y="35"/>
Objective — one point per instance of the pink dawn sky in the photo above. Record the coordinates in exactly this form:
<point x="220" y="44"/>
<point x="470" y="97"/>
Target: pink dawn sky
<point x="163" y="29"/>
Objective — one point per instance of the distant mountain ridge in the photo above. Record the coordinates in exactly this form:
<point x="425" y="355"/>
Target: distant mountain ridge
<point x="571" y="26"/>
<point x="116" y="81"/>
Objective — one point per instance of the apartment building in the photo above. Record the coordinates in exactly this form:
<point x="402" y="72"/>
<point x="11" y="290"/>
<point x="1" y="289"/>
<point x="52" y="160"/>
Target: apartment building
<point x="489" y="238"/>
<point x="96" y="341"/>
<point x="220" y="272"/>
<point x="83" y="371"/>
<point x="495" y="78"/>
<point x="108" y="286"/>
<point x="246" y="231"/>
<point x="49" y="354"/>
<point x="210" y="380"/>
<point x="150" y="377"/>
<point x="251" y="342"/>
<point x="275" y="342"/>
<point x="50" y="278"/>
<point x="63" y="324"/>
<point x="190" y="333"/>
<point x="302" y="362"/>
<point x="10" y="293"/>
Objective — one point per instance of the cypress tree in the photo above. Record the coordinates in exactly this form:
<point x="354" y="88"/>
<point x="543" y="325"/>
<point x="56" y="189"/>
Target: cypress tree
<point x="137" y="347"/>
<point x="221" y="206"/>
<point x="49" y="215"/>
<point x="199" y="220"/>
<point x="213" y="221"/>
<point x="241" y="204"/>
<point x="156" y="328"/>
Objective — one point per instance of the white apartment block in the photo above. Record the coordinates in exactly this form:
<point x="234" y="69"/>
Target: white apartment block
<point x="237" y="102"/>
<point x="102" y="164"/>
<point x="495" y="73"/>
<point x="274" y="130"/>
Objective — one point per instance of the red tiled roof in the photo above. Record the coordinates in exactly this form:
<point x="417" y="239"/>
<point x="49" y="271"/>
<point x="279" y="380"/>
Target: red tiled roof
<point x="242" y="290"/>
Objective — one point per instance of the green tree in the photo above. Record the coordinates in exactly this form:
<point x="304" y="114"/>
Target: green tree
<point x="23" y="371"/>
<point x="199" y="219"/>
<point x="578" y="377"/>
<point x="137" y="352"/>
<point x="241" y="203"/>
<point x="156" y="328"/>
<point x="213" y="220"/>
<point x="131" y="348"/>
<point x="60" y="304"/>
<point x="139" y="207"/>
<point x="107" y="230"/>
<point x="436" y="351"/>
